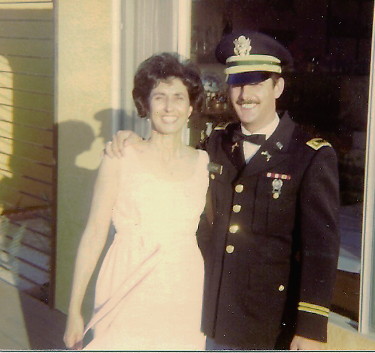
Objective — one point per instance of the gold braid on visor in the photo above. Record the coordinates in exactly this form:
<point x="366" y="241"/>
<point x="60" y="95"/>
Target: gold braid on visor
<point x="248" y="63"/>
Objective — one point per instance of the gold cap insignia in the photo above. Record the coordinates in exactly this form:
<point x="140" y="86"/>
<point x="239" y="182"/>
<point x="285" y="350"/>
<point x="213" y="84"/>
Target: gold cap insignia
<point x="242" y="46"/>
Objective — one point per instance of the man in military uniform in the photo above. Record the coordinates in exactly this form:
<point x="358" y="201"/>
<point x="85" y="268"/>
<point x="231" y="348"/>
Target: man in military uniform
<point x="270" y="236"/>
<point x="271" y="244"/>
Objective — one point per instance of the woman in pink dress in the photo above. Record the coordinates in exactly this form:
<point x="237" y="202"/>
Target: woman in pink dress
<point x="149" y="290"/>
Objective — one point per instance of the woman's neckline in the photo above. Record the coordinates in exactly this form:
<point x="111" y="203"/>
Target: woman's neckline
<point x="144" y="170"/>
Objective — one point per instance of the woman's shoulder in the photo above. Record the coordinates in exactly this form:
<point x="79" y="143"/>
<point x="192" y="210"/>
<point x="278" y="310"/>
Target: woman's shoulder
<point x="127" y="152"/>
<point x="199" y="157"/>
<point x="203" y="155"/>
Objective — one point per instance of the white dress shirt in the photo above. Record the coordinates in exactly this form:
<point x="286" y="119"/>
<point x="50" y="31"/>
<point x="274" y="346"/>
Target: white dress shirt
<point x="249" y="149"/>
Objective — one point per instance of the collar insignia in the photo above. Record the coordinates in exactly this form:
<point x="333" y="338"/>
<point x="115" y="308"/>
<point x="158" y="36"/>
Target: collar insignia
<point x="235" y="146"/>
<point x="266" y="154"/>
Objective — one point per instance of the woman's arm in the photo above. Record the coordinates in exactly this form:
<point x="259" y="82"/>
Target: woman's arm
<point x="91" y="246"/>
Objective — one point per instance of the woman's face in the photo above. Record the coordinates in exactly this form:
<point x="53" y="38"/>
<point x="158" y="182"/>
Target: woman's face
<point x="169" y="106"/>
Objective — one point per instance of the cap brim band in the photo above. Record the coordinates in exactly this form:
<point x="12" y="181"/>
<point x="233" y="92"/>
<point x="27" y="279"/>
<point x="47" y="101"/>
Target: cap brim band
<point x="253" y="62"/>
<point x="253" y="58"/>
<point x="250" y="68"/>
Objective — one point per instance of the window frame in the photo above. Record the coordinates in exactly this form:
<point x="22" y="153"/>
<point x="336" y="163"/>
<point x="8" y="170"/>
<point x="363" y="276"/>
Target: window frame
<point x="367" y="289"/>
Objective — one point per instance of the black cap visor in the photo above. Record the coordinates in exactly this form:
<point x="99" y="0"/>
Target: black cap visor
<point x="250" y="77"/>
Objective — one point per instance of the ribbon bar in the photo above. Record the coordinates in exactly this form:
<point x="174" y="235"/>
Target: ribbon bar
<point x="279" y="176"/>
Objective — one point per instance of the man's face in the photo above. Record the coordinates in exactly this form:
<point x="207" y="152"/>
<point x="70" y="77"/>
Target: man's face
<point x="255" y="104"/>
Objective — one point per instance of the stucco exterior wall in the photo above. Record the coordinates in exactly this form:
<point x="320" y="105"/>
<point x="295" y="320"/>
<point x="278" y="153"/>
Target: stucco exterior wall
<point x="83" y="113"/>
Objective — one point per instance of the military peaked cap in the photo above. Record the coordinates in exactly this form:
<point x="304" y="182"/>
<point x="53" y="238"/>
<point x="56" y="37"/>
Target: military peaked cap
<point x="252" y="57"/>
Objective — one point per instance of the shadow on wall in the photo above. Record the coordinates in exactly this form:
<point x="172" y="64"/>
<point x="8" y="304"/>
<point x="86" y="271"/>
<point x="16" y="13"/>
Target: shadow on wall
<point x="79" y="181"/>
<point x="76" y="182"/>
<point x="75" y="186"/>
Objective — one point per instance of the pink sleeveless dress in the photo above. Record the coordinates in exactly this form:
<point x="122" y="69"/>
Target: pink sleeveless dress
<point x="149" y="290"/>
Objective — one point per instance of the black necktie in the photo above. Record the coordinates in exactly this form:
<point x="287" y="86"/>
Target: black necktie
<point x="257" y="139"/>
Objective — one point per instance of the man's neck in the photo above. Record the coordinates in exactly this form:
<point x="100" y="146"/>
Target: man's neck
<point x="266" y="128"/>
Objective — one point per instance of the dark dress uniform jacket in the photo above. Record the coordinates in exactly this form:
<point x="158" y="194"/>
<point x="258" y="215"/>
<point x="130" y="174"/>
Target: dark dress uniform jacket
<point x="271" y="250"/>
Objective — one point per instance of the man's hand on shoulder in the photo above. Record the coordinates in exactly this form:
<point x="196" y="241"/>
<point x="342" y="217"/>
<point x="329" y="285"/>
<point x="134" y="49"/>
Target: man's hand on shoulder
<point x="300" y="343"/>
<point x="120" y="140"/>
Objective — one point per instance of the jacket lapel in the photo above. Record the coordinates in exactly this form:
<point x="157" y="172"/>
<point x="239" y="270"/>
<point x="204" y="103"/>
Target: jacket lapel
<point x="234" y="151"/>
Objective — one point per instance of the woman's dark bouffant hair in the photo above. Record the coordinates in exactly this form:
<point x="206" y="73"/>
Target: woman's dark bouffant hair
<point x="160" y="67"/>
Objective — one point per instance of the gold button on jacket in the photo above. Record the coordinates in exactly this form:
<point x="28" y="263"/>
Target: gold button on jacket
<point x="238" y="188"/>
<point x="229" y="249"/>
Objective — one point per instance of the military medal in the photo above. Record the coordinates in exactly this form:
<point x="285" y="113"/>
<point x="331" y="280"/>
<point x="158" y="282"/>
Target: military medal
<point x="276" y="188"/>
<point x="277" y="182"/>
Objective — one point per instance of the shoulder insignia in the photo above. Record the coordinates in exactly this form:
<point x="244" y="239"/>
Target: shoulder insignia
<point x="317" y="143"/>
<point x="221" y="126"/>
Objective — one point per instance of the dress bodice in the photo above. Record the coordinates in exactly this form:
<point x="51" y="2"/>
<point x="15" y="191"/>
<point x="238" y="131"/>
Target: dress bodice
<point x="159" y="209"/>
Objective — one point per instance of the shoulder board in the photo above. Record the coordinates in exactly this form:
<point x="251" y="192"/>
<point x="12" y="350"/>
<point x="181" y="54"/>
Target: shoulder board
<point x="317" y="143"/>
<point x="221" y="126"/>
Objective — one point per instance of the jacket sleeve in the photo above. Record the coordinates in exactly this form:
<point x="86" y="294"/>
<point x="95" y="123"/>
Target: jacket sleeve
<point x="318" y="207"/>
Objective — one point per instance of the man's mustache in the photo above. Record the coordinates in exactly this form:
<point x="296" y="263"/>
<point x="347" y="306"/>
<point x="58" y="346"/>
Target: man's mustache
<point x="247" y="101"/>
